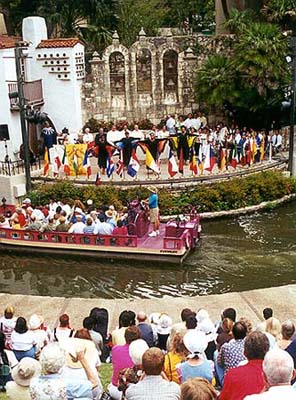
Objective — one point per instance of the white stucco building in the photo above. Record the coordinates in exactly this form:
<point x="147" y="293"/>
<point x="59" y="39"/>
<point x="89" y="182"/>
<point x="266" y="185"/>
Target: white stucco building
<point x="54" y="71"/>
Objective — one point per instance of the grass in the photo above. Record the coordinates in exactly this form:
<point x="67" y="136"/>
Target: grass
<point x="105" y="373"/>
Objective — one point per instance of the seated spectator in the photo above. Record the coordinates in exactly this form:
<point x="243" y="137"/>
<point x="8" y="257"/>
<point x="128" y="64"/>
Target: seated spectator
<point x="145" y="328"/>
<point x="154" y="318"/>
<point x="177" y="354"/>
<point x="121" y="359"/>
<point x="196" y="365"/>
<point x="198" y="389"/>
<point x="288" y="330"/>
<point x="34" y="224"/>
<point x="132" y="375"/>
<point x="126" y="319"/>
<point x="22" y="340"/>
<point x="110" y="218"/>
<point x="50" y="226"/>
<point x="163" y="331"/>
<point x="273" y="331"/>
<point x="18" y="217"/>
<point x="96" y="337"/>
<point x="247" y="323"/>
<point x="226" y="334"/>
<point x="232" y="353"/>
<point x="89" y="228"/>
<point x="278" y="371"/>
<point x="267" y="313"/>
<point x="191" y="322"/>
<point x="227" y="313"/>
<point x="63" y="330"/>
<point x="153" y="385"/>
<point x="18" y="389"/>
<point x="100" y="319"/>
<point x="50" y="385"/>
<point x="120" y="230"/>
<point x="7" y="325"/>
<point x="247" y="379"/>
<point x="40" y="335"/>
<point x="78" y="226"/>
<point x="180" y="327"/>
<point x="7" y="362"/>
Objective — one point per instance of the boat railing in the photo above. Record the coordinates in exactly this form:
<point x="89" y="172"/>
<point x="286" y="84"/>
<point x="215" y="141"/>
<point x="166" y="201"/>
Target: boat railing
<point x="178" y="243"/>
<point x="69" y="238"/>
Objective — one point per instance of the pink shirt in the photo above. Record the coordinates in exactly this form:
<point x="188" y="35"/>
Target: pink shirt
<point x="120" y="359"/>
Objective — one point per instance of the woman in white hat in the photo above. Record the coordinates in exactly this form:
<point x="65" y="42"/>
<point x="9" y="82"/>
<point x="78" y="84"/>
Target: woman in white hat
<point x="196" y="366"/>
<point x="18" y="389"/>
<point x="40" y="335"/>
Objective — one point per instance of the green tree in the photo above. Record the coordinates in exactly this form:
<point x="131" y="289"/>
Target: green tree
<point x="279" y="10"/>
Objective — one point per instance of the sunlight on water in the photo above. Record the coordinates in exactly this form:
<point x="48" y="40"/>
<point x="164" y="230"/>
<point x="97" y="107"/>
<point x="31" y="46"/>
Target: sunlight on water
<point x="236" y="254"/>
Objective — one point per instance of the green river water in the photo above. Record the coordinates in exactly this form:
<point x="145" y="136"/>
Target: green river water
<point x="242" y="253"/>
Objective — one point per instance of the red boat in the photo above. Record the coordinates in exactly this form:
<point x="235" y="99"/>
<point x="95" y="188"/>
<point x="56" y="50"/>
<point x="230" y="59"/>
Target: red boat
<point x="177" y="238"/>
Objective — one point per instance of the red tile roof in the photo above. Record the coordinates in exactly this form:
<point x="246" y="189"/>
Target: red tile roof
<point x="56" y="43"/>
<point x="8" y="42"/>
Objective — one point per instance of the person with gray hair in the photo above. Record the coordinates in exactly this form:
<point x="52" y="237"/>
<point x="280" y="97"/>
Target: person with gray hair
<point x="50" y="385"/>
<point x="288" y="330"/>
<point x="278" y="370"/>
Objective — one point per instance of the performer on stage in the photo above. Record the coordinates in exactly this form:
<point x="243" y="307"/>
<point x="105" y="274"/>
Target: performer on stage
<point x="103" y="147"/>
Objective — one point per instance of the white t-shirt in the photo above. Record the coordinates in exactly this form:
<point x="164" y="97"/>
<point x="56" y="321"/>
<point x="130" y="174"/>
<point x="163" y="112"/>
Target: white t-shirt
<point x="7" y="326"/>
<point x="40" y="337"/>
<point x="22" y="341"/>
<point x="77" y="227"/>
<point x="58" y="334"/>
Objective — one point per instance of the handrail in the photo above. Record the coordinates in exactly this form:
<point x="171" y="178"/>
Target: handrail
<point x="83" y="240"/>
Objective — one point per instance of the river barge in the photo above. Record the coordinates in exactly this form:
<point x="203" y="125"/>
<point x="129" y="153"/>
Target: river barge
<point x="176" y="239"/>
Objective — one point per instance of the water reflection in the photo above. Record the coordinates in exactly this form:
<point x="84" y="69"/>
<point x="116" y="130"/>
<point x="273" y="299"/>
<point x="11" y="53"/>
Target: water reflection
<point x="243" y="253"/>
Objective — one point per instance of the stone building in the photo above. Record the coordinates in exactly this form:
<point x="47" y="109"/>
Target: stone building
<point x="149" y="80"/>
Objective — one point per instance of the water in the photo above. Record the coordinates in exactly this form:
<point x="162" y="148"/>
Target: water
<point x="242" y="253"/>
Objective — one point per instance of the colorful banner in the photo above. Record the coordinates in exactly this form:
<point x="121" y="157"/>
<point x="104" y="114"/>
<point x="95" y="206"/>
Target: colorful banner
<point x="75" y="156"/>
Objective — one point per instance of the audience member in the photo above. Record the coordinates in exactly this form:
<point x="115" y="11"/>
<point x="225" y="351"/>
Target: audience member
<point x="145" y="328"/>
<point x="7" y="324"/>
<point x="198" y="389"/>
<point x="63" y="330"/>
<point x="177" y="353"/>
<point x="126" y="318"/>
<point x="22" y="340"/>
<point x="288" y="330"/>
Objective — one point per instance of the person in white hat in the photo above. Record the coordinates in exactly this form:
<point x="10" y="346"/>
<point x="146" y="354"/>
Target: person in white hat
<point x="196" y="366"/>
<point x="40" y="336"/>
<point x="18" y="389"/>
<point x="163" y="330"/>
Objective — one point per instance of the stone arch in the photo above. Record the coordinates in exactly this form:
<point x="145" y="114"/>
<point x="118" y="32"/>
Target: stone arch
<point x="174" y="95"/>
<point x="144" y="70"/>
<point x="116" y="76"/>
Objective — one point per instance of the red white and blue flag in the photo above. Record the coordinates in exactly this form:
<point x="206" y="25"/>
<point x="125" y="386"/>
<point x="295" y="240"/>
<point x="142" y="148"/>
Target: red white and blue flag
<point x="98" y="180"/>
<point x="110" y="166"/>
<point x="134" y="165"/>
<point x="119" y="165"/>
<point x="86" y="163"/>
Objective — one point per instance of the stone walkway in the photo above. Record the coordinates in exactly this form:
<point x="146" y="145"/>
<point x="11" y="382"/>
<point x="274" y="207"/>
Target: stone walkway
<point x="249" y="304"/>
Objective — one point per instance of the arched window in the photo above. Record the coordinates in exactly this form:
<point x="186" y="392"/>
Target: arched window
<point x="170" y="71"/>
<point x="144" y="81"/>
<point x="117" y="73"/>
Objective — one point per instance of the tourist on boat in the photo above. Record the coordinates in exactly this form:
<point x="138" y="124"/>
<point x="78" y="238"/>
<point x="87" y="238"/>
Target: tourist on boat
<point x="63" y="330"/>
<point x="30" y="212"/>
<point x="22" y="340"/>
<point x="153" y="385"/>
<point x="177" y="353"/>
<point x="18" y="217"/>
<point x="197" y="389"/>
<point x="33" y="224"/>
<point x="62" y="225"/>
<point x="121" y="359"/>
<point x="110" y="219"/>
<point x="89" y="227"/>
<point x="7" y="324"/>
<point x="40" y="336"/>
<point x="196" y="366"/>
<point x="120" y="230"/>
<point x="77" y="227"/>
<point x="4" y="222"/>
<point x="102" y="227"/>
<point x="75" y="212"/>
<point x="49" y="226"/>
<point x="22" y="373"/>
<point x="152" y="202"/>
<point x="50" y="383"/>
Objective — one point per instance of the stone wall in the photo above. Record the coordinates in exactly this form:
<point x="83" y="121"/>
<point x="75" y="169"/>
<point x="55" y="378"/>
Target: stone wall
<point x="151" y="79"/>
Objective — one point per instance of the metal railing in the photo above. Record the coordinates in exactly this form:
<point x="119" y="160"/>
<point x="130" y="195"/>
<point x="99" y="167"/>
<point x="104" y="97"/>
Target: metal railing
<point x="11" y="168"/>
<point x="33" y="93"/>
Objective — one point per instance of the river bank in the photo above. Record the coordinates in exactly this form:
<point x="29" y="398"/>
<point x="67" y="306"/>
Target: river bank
<point x="247" y="303"/>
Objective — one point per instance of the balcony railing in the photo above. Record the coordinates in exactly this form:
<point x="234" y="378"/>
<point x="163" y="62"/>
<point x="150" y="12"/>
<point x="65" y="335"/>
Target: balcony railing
<point x="11" y="168"/>
<point x="32" y="91"/>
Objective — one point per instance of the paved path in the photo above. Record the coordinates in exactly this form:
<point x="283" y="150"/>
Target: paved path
<point x="249" y="304"/>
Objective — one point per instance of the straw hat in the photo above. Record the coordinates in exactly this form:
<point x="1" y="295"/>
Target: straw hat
<point x="25" y="370"/>
<point x="73" y="345"/>
<point x="152" y="189"/>
<point x="109" y="213"/>
<point x="35" y="321"/>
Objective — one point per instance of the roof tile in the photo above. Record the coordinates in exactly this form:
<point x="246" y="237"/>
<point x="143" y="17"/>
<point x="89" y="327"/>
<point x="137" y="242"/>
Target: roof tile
<point x="57" y="43"/>
<point x="7" y="42"/>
